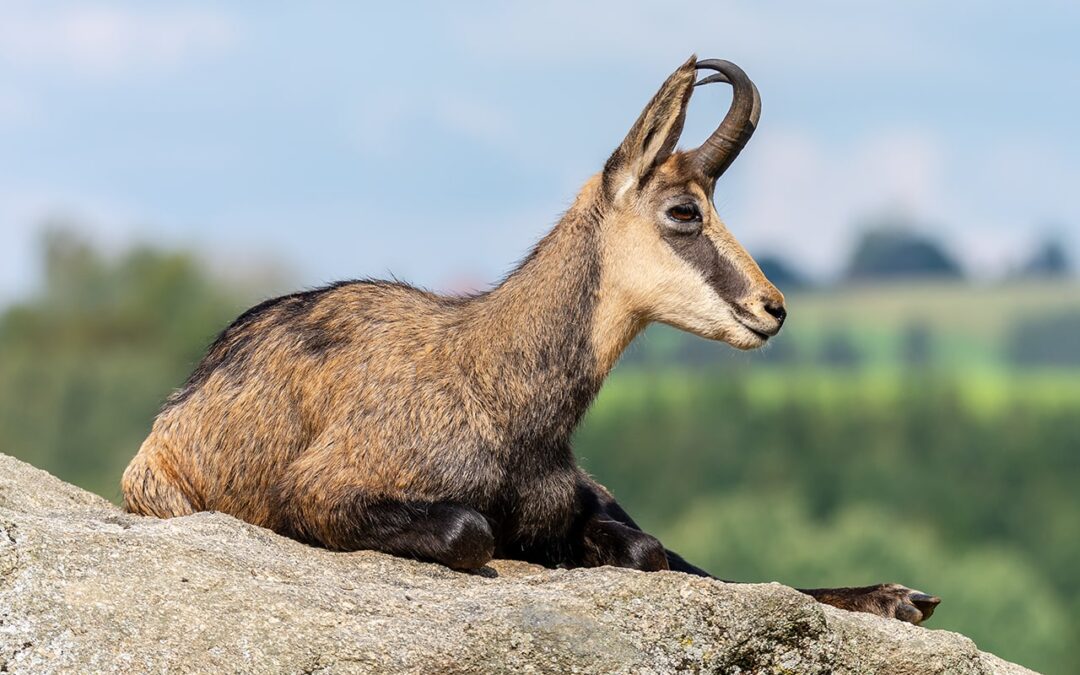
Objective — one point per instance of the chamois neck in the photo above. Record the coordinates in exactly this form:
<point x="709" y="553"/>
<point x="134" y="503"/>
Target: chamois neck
<point x="548" y="336"/>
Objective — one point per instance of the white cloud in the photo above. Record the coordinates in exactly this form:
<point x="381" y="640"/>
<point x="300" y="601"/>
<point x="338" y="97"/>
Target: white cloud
<point x="102" y="40"/>
<point x="804" y="198"/>
<point x="1010" y="193"/>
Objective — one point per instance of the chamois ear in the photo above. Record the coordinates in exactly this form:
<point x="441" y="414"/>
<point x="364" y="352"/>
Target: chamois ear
<point x="653" y="137"/>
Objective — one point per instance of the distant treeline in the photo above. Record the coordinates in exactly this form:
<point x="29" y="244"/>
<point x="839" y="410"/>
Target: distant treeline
<point x="896" y="249"/>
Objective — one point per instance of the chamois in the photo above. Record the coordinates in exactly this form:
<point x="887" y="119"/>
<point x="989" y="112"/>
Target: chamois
<point x="374" y="415"/>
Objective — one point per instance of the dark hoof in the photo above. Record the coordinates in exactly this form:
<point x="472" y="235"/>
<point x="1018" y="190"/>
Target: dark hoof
<point x="891" y="601"/>
<point x="924" y="603"/>
<point x="469" y="543"/>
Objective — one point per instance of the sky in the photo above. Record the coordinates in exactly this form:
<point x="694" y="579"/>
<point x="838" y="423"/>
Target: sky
<point x="438" y="142"/>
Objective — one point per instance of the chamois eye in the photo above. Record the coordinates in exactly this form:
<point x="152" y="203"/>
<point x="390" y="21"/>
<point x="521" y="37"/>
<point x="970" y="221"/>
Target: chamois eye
<point x="685" y="213"/>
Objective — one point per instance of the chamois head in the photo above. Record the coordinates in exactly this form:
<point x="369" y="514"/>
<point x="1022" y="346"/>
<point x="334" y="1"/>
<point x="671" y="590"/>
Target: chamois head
<point x="667" y="253"/>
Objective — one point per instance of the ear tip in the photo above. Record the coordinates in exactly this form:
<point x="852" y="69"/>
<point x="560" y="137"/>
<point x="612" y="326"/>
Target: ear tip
<point x="686" y="74"/>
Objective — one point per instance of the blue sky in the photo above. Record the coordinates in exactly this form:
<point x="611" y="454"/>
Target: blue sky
<point x="437" y="142"/>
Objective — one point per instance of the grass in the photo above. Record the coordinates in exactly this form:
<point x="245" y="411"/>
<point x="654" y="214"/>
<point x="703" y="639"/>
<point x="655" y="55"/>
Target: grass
<point x="984" y="391"/>
<point x="965" y="327"/>
<point x="961" y="308"/>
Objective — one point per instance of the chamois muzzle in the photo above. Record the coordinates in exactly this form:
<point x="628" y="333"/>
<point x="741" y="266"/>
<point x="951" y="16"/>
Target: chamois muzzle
<point x="721" y="148"/>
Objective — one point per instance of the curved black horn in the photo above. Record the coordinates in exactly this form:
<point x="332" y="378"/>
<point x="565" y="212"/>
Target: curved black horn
<point x="721" y="148"/>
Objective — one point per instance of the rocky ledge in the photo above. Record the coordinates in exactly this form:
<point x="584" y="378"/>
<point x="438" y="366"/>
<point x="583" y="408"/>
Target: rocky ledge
<point x="86" y="588"/>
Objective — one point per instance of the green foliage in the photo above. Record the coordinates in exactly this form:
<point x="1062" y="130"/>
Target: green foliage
<point x="1051" y="340"/>
<point x="87" y="363"/>
<point x="993" y="594"/>
<point x="1049" y="261"/>
<point x="847" y="480"/>
<point x="781" y="273"/>
<point x="892" y="250"/>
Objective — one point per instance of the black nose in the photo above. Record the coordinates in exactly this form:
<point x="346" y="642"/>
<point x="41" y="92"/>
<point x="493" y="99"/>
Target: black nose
<point x="776" y="310"/>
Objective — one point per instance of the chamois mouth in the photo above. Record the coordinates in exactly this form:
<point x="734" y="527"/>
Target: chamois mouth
<point x="764" y="337"/>
<point x="758" y="326"/>
<point x="761" y="335"/>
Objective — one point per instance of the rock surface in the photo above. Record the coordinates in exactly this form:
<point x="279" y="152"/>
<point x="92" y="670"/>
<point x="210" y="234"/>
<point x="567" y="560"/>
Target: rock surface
<point x="87" y="588"/>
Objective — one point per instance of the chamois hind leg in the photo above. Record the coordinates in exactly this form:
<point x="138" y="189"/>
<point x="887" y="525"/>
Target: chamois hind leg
<point x="150" y="490"/>
<point x="451" y="534"/>
<point x="341" y="517"/>
<point x="608" y="530"/>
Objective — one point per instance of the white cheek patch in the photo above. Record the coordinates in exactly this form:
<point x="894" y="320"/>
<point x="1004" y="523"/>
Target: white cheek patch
<point x="655" y="283"/>
<point x="709" y="318"/>
<point x="683" y="298"/>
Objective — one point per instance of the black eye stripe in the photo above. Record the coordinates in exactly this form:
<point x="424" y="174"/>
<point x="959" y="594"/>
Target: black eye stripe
<point x="719" y="272"/>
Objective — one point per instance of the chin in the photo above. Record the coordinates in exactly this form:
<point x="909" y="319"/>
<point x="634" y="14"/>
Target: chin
<point x="746" y="342"/>
<point x="732" y="332"/>
<point x="740" y="337"/>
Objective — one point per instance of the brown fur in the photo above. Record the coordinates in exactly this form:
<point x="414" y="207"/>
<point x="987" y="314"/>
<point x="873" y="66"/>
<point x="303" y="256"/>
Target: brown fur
<point x="311" y="407"/>
<point x="417" y="397"/>
<point x="370" y="414"/>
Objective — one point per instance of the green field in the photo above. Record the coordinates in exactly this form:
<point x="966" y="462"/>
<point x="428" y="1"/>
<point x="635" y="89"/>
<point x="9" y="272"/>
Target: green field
<point x="961" y="327"/>
<point x="984" y="391"/>
<point x="969" y="324"/>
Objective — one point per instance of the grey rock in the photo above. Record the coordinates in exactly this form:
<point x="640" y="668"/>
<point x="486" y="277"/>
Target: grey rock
<point x="87" y="588"/>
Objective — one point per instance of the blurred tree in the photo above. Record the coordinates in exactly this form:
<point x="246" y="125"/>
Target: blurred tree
<point x="891" y="250"/>
<point x="916" y="345"/>
<point x="1048" y="340"/>
<point x="88" y="360"/>
<point x="694" y="350"/>
<point x="996" y="597"/>
<point x="850" y="479"/>
<point x="780" y="350"/>
<point x="781" y="273"/>
<point x="838" y="350"/>
<point x="1049" y="261"/>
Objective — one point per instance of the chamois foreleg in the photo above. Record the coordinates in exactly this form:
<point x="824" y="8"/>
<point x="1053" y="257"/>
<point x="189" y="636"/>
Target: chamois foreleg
<point x="608" y="531"/>
<point x="609" y="536"/>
